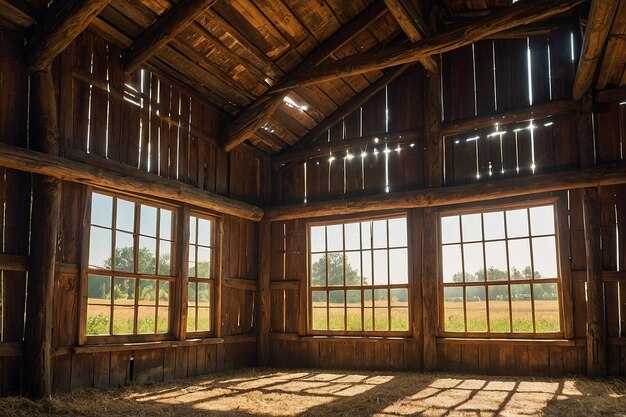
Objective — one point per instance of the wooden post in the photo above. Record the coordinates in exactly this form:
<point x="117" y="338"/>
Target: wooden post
<point x="585" y="130"/>
<point x="180" y="304"/>
<point x="44" y="133"/>
<point x="432" y="131"/>
<point x="430" y="277"/>
<point x="263" y="293"/>
<point x="596" y="332"/>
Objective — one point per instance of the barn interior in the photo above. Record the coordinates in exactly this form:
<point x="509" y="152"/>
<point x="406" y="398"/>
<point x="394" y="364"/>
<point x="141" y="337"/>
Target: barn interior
<point x="349" y="187"/>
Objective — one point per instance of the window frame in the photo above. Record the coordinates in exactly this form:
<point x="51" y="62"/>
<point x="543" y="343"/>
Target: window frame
<point x="214" y="281"/>
<point x="408" y="286"/>
<point x="86" y="270"/>
<point x="560" y="281"/>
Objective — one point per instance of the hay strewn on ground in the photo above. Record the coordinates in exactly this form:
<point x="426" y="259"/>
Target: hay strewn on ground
<point x="337" y="393"/>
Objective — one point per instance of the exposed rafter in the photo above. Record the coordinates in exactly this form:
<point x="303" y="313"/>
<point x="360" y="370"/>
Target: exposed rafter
<point x="261" y="111"/>
<point x="410" y="20"/>
<point x="519" y="14"/>
<point x="58" y="27"/>
<point x="599" y="24"/>
<point x="163" y="31"/>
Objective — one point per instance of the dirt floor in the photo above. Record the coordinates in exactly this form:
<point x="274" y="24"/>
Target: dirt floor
<point x="336" y="393"/>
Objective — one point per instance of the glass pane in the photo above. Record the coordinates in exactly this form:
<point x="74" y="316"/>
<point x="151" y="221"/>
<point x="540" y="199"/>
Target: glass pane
<point x="99" y="289"/>
<point x="354" y="319"/>
<point x="519" y="259"/>
<point x="521" y="308"/>
<point x="204" y="232"/>
<point x="494" y="225"/>
<point x="165" y="230"/>
<point x="124" y="291"/>
<point x="318" y="298"/>
<point x="397" y="232"/>
<point x="473" y="260"/>
<point x="335" y="269"/>
<point x="368" y="319"/>
<point x="163" y="319"/>
<point x="453" y="309"/>
<point x="353" y="298"/>
<point x="123" y="319"/>
<point x="516" y="223"/>
<point x="101" y="210"/>
<point x="145" y="320"/>
<point x="499" y="320"/>
<point x="165" y="256"/>
<point x="476" y="308"/>
<point x="98" y="319"/>
<point x="191" y="294"/>
<point x="547" y="318"/>
<point x="353" y="236"/>
<point x="472" y="227"/>
<point x="125" y="216"/>
<point x="381" y="319"/>
<point x="164" y="293"/>
<point x="192" y="260"/>
<point x="495" y="256"/>
<point x="399" y="297"/>
<point x="399" y="319"/>
<point x="147" y="292"/>
<point x="353" y="268"/>
<point x="336" y="298"/>
<point x="366" y="235"/>
<point x="191" y="320"/>
<point x="450" y="229"/>
<point x="203" y="264"/>
<point x="381" y="270"/>
<point x="204" y="294"/>
<point x="147" y="255"/>
<point x="148" y="221"/>
<point x="334" y="237"/>
<point x="319" y="319"/>
<point x="380" y="233"/>
<point x="542" y="220"/>
<point x="318" y="270"/>
<point x="452" y="264"/>
<point x="381" y="298"/>
<point x="318" y="239"/>
<point x="193" y="238"/>
<point x="336" y="319"/>
<point x="100" y="248"/>
<point x="204" y="320"/>
<point x="544" y="257"/>
<point x="398" y="266"/>
<point x="124" y="252"/>
<point x="366" y="263"/>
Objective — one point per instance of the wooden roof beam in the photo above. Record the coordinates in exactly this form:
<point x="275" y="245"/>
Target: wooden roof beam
<point x="518" y="14"/>
<point x="260" y="112"/>
<point x="599" y="25"/>
<point x="58" y="27"/>
<point x="409" y="18"/>
<point x="162" y="31"/>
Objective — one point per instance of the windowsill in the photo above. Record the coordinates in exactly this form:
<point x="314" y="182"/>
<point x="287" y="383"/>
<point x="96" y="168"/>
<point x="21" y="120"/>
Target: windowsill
<point x="509" y="341"/>
<point x="338" y="338"/>
<point x="117" y="347"/>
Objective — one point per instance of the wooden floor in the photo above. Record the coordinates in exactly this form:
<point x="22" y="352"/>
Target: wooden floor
<point x="333" y="393"/>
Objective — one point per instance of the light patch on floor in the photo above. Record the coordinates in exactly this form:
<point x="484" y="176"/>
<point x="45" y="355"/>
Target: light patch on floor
<point x="341" y="393"/>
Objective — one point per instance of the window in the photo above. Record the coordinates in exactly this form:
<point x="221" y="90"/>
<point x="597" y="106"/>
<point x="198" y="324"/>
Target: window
<point x="500" y="272"/>
<point x="201" y="274"/>
<point x="358" y="276"/>
<point x="129" y="275"/>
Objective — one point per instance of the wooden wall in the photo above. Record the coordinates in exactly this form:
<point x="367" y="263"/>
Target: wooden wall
<point x="485" y="79"/>
<point x="155" y="125"/>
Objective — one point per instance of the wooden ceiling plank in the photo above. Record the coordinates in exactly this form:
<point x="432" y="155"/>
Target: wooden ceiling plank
<point x="614" y="58"/>
<point x="58" y="27"/>
<point x="163" y="31"/>
<point x="261" y="111"/>
<point x="518" y="14"/>
<point x="13" y="19"/>
<point x="599" y="23"/>
<point x="409" y="18"/>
